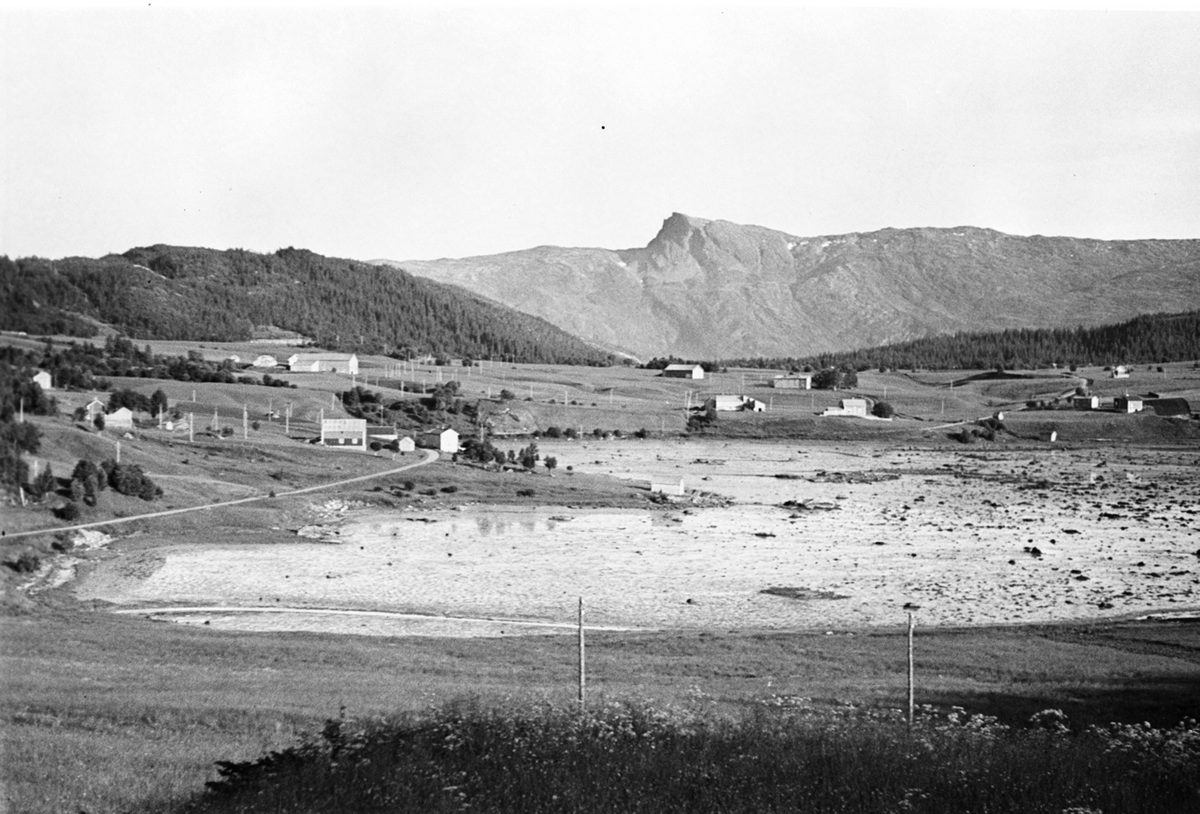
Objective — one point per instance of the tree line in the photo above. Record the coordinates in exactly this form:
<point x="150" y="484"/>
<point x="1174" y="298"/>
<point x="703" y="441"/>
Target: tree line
<point x="166" y="292"/>
<point x="1147" y="339"/>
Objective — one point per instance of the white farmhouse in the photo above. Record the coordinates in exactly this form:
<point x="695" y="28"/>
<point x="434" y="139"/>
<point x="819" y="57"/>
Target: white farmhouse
<point x="119" y="419"/>
<point x="323" y="363"/>
<point x="850" y="407"/>
<point x="344" y="432"/>
<point x="733" y="404"/>
<point x="683" y="372"/>
<point x="793" y="381"/>
<point x="443" y="440"/>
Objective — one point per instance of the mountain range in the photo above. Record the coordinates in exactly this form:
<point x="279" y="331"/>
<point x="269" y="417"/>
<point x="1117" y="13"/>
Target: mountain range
<point x="711" y="289"/>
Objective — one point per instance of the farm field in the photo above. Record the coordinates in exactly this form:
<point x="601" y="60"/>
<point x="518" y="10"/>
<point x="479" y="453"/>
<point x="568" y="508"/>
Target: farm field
<point x="1047" y="574"/>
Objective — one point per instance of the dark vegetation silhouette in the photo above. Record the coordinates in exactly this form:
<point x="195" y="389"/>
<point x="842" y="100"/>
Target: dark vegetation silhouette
<point x="172" y="292"/>
<point x="1148" y="339"/>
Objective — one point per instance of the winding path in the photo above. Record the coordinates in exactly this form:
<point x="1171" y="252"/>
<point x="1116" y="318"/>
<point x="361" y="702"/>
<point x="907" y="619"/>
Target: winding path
<point x="430" y="457"/>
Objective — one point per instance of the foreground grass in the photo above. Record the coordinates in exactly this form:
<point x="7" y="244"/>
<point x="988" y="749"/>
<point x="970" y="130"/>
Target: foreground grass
<point x="627" y="758"/>
<point x="116" y="714"/>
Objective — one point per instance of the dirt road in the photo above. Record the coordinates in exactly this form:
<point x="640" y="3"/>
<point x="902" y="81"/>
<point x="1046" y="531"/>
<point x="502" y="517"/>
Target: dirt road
<point x="430" y="457"/>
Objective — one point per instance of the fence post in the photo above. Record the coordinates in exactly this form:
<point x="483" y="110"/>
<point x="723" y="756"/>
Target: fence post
<point x="582" y="668"/>
<point x="910" y="669"/>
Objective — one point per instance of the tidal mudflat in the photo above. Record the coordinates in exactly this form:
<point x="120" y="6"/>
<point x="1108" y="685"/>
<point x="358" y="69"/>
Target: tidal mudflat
<point x="844" y="534"/>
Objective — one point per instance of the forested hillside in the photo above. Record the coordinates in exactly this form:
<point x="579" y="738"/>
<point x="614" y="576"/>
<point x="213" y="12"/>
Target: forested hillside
<point x="1154" y="338"/>
<point x="167" y="292"/>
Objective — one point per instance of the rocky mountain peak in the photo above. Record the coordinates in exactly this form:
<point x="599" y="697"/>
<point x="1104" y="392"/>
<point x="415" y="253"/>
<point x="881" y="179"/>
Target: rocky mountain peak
<point x="711" y="289"/>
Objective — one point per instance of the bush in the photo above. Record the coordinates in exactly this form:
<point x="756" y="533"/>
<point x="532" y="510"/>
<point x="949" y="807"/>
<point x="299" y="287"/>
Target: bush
<point x="69" y="511"/>
<point x="528" y="457"/>
<point x="44" y="484"/>
<point x="129" y="479"/>
<point x="835" y="378"/>
<point x="451" y="489"/>
<point x="26" y="563"/>
<point x="553" y="432"/>
<point x="882" y="409"/>
<point x="525" y="493"/>
<point x="507" y="395"/>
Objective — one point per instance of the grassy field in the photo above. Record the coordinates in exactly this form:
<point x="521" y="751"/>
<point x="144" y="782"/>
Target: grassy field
<point x="104" y="713"/>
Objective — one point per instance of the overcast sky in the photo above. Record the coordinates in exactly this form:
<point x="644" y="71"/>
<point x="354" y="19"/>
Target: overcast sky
<point x="416" y="131"/>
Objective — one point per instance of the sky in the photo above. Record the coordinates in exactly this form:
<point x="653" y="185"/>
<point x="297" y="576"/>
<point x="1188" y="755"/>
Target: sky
<point x="418" y="131"/>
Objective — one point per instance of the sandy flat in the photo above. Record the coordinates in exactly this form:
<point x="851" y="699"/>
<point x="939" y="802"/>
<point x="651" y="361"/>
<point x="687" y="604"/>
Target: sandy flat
<point x="951" y="531"/>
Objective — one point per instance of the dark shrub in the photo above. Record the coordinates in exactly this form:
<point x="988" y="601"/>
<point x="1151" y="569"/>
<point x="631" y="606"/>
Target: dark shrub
<point x="882" y="409"/>
<point x="69" y="512"/>
<point x="129" y="479"/>
<point x="26" y="563"/>
<point x="449" y="490"/>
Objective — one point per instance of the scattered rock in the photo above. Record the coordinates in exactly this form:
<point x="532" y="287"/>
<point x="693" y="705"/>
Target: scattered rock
<point x="801" y="593"/>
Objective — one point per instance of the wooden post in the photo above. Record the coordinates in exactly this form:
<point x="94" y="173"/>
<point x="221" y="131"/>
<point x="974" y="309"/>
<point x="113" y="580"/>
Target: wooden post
<point x="118" y="452"/>
<point x="911" y="706"/>
<point x="287" y="422"/>
<point x="245" y="423"/>
<point x="582" y="665"/>
<point x="191" y="428"/>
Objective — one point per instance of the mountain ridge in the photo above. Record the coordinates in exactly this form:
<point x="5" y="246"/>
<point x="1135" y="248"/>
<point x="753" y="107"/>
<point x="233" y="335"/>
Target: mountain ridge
<point x="709" y="288"/>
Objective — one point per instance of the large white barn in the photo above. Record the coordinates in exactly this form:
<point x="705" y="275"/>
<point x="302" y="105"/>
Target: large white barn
<point x="683" y="372"/>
